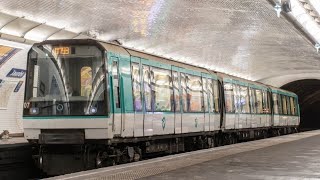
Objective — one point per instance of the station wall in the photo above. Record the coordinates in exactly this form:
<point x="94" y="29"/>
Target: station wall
<point x="11" y="105"/>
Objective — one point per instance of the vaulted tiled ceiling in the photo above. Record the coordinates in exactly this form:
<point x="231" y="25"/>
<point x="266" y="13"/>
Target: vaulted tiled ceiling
<point x="244" y="38"/>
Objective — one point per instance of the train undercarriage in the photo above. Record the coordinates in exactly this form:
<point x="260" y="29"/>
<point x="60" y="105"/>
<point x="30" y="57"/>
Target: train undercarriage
<point x="57" y="157"/>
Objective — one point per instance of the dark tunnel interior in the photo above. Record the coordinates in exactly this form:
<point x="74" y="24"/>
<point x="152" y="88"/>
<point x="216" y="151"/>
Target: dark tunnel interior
<point x="308" y="91"/>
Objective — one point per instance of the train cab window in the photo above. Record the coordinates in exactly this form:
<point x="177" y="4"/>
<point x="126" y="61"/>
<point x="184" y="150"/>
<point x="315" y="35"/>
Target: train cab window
<point x="116" y="88"/>
<point x="63" y="84"/>
<point x="205" y="94"/>
<point x="136" y="87"/>
<point x="184" y="92"/>
<point x="275" y="103"/>
<point x="147" y="88"/>
<point x="86" y="81"/>
<point x="176" y="91"/>
<point x="229" y="96"/>
<point x="258" y="103"/>
<point x="244" y="100"/>
<point x="293" y="107"/>
<point x="284" y="105"/>
<point x="161" y="86"/>
<point x="195" y="94"/>
<point x="216" y="96"/>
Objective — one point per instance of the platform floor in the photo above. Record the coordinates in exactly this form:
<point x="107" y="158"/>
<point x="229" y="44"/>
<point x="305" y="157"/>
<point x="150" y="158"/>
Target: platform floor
<point x="293" y="160"/>
<point x="295" y="156"/>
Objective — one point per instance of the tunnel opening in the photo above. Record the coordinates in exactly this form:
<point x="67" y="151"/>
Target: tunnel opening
<point x="308" y="91"/>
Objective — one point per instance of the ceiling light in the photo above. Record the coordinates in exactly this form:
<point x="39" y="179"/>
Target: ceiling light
<point x="317" y="46"/>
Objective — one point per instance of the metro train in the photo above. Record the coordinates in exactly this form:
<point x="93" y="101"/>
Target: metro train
<point x="92" y="104"/>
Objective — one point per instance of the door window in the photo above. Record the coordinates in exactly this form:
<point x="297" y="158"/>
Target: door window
<point x="228" y="93"/>
<point x="116" y="88"/>
<point x="136" y="87"/>
<point x="176" y="89"/>
<point x="147" y="87"/>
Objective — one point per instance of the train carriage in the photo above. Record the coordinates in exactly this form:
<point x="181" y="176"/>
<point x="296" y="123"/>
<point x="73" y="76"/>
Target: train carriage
<point x="285" y="109"/>
<point x="109" y="104"/>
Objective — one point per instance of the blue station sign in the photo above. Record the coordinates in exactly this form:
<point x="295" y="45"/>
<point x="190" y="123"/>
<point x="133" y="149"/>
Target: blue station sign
<point x="18" y="86"/>
<point x="16" y="73"/>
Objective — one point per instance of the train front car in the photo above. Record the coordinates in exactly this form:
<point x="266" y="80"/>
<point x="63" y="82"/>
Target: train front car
<point x="65" y="102"/>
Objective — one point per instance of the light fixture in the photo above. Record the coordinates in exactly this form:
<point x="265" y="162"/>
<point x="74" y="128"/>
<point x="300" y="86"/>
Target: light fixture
<point x="278" y="8"/>
<point x="317" y="46"/>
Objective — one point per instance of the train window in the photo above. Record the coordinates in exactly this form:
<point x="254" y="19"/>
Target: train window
<point x="147" y="87"/>
<point x="136" y="87"/>
<point x="236" y="98"/>
<point x="162" y="90"/>
<point x="216" y="96"/>
<point x="176" y="89"/>
<point x="265" y="102"/>
<point x="252" y="95"/>
<point x="258" y="103"/>
<point x="275" y="103"/>
<point x="244" y="100"/>
<point x="210" y="96"/>
<point x="195" y="94"/>
<point x="288" y="105"/>
<point x="280" y="104"/>
<point x="86" y="81"/>
<point x="116" y="88"/>
<point x="284" y="105"/>
<point x="293" y="107"/>
<point x="268" y="108"/>
<point x="228" y="95"/>
<point x="296" y="105"/>
<point x="205" y="94"/>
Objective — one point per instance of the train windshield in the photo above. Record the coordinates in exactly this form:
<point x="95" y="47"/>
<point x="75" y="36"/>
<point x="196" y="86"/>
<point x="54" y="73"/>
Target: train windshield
<point x="65" y="81"/>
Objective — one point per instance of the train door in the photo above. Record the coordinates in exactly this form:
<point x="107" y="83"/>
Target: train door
<point x="253" y="109"/>
<point x="137" y="96"/>
<point x="211" y="105"/>
<point x="115" y="98"/>
<point x="237" y="106"/>
<point x="121" y="96"/>
<point x="205" y="102"/>
<point x="147" y="101"/>
<point x="177" y="100"/>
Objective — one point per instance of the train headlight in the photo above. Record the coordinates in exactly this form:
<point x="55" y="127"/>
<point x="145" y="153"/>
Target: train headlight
<point x="93" y="110"/>
<point x="34" y="110"/>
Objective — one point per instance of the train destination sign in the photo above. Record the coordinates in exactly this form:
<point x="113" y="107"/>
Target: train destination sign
<point x="61" y="50"/>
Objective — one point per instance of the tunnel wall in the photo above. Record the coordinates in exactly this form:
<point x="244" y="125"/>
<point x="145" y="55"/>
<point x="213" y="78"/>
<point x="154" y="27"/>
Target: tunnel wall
<point x="308" y="91"/>
<point x="11" y="114"/>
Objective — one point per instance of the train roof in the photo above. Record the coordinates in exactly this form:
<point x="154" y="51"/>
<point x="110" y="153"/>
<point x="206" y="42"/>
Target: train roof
<point x="117" y="48"/>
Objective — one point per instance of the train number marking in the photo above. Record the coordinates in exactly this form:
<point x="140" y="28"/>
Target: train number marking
<point x="163" y="123"/>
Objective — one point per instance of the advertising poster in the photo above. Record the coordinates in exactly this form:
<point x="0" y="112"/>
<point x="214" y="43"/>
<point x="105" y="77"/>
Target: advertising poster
<point x="6" y="53"/>
<point x="18" y="86"/>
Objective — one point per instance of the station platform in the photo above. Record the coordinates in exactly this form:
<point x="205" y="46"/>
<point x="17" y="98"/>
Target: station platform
<point x="15" y="159"/>
<point x="11" y="142"/>
<point x="294" y="156"/>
